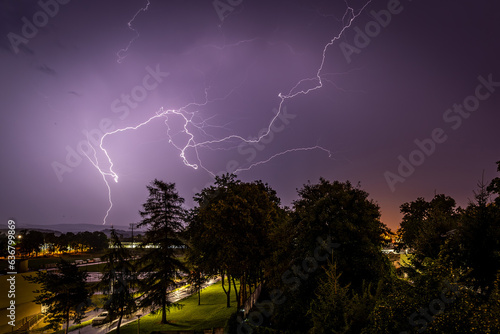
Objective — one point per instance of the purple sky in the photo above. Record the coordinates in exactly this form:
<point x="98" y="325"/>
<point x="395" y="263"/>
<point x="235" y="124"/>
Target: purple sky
<point x="412" y="73"/>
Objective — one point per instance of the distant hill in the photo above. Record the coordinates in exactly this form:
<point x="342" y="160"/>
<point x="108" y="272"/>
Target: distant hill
<point x="75" y="228"/>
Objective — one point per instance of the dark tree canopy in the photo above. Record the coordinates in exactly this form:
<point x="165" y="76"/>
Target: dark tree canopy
<point x="163" y="215"/>
<point x="320" y="263"/>
<point x="328" y="210"/>
<point x="118" y="281"/>
<point x="229" y="229"/>
<point x="494" y="186"/>
<point x="64" y="292"/>
<point x="31" y="242"/>
<point x="426" y="225"/>
<point x="478" y="246"/>
<point x="344" y="213"/>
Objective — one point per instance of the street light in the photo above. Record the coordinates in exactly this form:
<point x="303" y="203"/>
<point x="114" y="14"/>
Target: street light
<point x="138" y="323"/>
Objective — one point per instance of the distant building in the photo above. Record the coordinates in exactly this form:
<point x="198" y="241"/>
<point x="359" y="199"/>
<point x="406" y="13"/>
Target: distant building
<point x="128" y="244"/>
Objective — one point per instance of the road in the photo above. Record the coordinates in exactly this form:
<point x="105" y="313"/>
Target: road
<point x="176" y="296"/>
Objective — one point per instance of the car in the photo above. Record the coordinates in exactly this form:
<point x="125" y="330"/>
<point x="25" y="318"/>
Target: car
<point x="101" y="319"/>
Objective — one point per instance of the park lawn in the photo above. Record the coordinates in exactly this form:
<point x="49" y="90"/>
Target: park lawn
<point x="212" y="313"/>
<point x="24" y="289"/>
<point x="41" y="327"/>
<point x="24" y="296"/>
<point x="405" y="259"/>
<point x="75" y="327"/>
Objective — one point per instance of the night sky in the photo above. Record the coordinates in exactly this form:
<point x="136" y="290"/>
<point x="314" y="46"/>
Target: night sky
<point x="413" y="81"/>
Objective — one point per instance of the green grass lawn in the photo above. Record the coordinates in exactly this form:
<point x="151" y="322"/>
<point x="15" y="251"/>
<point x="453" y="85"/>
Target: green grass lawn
<point x="24" y="296"/>
<point x="212" y="313"/>
<point x="405" y="259"/>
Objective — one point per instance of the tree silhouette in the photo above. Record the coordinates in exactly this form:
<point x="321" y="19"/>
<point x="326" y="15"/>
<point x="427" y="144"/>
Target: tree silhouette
<point x="163" y="215"/>
<point x="479" y="236"/>
<point x="229" y="231"/>
<point x="64" y="292"/>
<point x="119" y="280"/>
<point x="425" y="226"/>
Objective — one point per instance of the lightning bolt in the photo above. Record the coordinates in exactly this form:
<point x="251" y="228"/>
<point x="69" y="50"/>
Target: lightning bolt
<point x="188" y="117"/>
<point x="283" y="153"/>
<point x="121" y="54"/>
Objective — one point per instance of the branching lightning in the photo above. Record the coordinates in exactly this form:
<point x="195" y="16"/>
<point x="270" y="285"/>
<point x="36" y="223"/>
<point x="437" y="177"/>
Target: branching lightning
<point x="188" y="117"/>
<point x="121" y="54"/>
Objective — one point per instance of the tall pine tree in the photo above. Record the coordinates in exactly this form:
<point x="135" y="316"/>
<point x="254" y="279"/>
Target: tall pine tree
<point x="118" y="281"/>
<point x="163" y="215"/>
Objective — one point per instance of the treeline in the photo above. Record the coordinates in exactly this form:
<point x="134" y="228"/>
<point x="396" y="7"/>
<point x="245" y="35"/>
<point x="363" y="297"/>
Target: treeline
<point x="240" y="231"/>
<point x="319" y="261"/>
<point x="322" y="268"/>
<point x="449" y="284"/>
<point x="31" y="242"/>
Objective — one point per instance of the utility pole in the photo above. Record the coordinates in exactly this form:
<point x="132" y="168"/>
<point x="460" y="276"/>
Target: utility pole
<point x="132" y="225"/>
